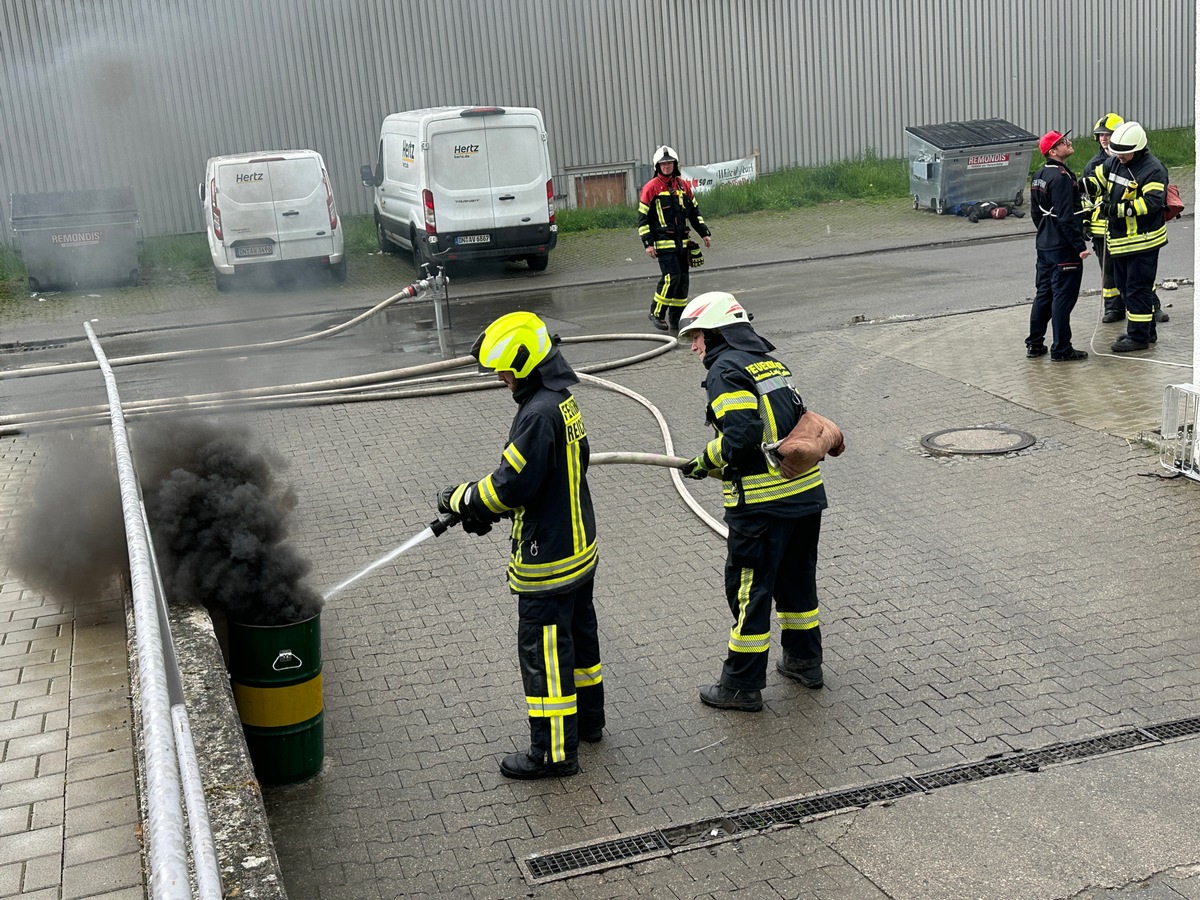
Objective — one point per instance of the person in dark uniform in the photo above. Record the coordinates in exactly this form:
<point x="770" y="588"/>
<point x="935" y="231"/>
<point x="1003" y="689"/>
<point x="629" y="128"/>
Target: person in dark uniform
<point x="774" y="522"/>
<point x="1096" y="223"/>
<point x="541" y="483"/>
<point x="1133" y="185"/>
<point x="665" y="208"/>
<point x="1056" y="206"/>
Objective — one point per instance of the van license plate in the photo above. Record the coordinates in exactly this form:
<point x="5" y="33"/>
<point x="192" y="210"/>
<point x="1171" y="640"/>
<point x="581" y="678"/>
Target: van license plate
<point x="473" y="239"/>
<point x="256" y="250"/>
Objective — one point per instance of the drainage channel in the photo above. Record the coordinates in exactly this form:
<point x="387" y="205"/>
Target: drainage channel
<point x="611" y="853"/>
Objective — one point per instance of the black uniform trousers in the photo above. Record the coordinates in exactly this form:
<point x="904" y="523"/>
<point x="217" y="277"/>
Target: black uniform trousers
<point x="770" y="558"/>
<point x="1108" y="282"/>
<point x="1056" y="294"/>
<point x="559" y="649"/>
<point x="672" y="293"/>
<point x="1135" y="274"/>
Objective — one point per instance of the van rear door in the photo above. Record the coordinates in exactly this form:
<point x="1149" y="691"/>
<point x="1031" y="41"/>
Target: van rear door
<point x="301" y="207"/>
<point x="247" y="210"/>
<point x="488" y="172"/>
<point x="516" y="156"/>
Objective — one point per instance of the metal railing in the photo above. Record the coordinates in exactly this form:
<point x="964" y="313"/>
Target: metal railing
<point x="169" y="754"/>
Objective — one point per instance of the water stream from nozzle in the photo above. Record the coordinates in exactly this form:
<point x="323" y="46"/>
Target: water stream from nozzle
<point x="436" y="527"/>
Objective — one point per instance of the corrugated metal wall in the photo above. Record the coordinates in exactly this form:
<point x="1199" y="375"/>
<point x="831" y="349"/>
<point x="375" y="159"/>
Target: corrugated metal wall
<point x="101" y="93"/>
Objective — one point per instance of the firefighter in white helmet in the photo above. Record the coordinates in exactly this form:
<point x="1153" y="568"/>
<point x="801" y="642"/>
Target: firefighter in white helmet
<point x="1133" y="185"/>
<point x="665" y="209"/>
<point x="541" y="483"/>
<point x="774" y="522"/>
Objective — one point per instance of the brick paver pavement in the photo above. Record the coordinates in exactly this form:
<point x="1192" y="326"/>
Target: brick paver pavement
<point x="971" y="606"/>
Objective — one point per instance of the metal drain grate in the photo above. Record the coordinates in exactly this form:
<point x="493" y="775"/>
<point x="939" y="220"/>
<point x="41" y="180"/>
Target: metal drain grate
<point x="595" y="856"/>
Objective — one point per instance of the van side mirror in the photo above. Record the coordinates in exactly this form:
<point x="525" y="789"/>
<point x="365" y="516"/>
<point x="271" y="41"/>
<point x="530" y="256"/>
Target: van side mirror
<point x="367" y="173"/>
<point x="200" y="189"/>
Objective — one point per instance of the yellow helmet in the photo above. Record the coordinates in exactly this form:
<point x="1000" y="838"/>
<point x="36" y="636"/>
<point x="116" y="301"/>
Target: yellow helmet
<point x="1107" y="124"/>
<point x="517" y="342"/>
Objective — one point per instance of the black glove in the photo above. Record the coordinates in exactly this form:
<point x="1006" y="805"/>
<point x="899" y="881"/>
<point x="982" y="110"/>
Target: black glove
<point x="696" y="468"/>
<point x="454" y="500"/>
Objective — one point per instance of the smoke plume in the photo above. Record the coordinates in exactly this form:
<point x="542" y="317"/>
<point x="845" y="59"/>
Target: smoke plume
<point x="219" y="520"/>
<point x="69" y="538"/>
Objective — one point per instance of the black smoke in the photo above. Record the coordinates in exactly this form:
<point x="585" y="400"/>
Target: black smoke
<point x="219" y="517"/>
<point x="69" y="538"/>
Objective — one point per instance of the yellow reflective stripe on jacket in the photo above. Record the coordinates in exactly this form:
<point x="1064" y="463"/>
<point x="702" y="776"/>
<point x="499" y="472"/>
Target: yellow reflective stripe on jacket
<point x="732" y="401"/>
<point x="1133" y="242"/>
<point x="798" y="621"/>
<point x="714" y="454"/>
<point x="487" y="493"/>
<point x="588" y="677"/>
<point x="514" y="458"/>
<point x="766" y="487"/>
<point x="767" y="414"/>
<point x="532" y="578"/>
<point x="574" y="478"/>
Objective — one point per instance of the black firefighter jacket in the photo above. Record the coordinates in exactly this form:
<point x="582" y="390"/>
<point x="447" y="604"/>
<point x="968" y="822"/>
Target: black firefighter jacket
<point x="1134" y="200"/>
<point x="665" y="208"/>
<point x="542" y="483"/>
<point x="751" y="400"/>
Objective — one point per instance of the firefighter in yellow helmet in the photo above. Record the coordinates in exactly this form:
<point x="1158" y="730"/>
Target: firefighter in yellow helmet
<point x="1095" y="221"/>
<point x="774" y="522"/>
<point x="541" y="484"/>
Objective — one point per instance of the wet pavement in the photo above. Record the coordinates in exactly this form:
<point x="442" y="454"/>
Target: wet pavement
<point x="974" y="608"/>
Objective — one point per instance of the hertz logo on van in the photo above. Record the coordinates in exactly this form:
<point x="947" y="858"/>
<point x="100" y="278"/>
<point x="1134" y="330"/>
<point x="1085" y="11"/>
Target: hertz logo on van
<point x="249" y="176"/>
<point x="408" y="152"/>
<point x="465" y="149"/>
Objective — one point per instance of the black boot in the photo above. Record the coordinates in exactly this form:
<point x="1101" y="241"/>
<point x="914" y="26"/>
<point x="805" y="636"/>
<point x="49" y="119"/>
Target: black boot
<point x="806" y="671"/>
<point x="526" y="767"/>
<point x="1113" y="315"/>
<point x="721" y="697"/>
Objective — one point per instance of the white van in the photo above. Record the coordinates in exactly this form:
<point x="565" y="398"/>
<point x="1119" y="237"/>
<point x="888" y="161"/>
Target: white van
<point x="464" y="182"/>
<point x="270" y="207"/>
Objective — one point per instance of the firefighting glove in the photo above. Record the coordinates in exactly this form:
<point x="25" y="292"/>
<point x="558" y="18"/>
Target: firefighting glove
<point x="456" y="499"/>
<point x="696" y="468"/>
<point x="695" y="255"/>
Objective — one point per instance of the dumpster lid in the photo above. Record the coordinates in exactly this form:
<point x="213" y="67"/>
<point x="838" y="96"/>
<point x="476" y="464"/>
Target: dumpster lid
<point x="72" y="203"/>
<point x="974" y="133"/>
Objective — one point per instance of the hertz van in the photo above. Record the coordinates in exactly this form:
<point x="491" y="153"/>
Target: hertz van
<point x="270" y="208"/>
<point x="464" y="183"/>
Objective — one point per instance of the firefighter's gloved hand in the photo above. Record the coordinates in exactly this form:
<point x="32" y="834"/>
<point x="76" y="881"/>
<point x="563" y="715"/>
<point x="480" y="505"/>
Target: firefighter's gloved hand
<point x="696" y="468"/>
<point x="472" y="525"/>
<point x="456" y="499"/>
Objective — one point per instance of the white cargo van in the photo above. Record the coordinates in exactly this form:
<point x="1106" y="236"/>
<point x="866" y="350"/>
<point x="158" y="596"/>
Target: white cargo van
<point x="270" y="208"/>
<point x="464" y="182"/>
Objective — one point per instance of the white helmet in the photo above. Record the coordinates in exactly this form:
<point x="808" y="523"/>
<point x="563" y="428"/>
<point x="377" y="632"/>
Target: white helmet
<point x="715" y="309"/>
<point x="664" y="153"/>
<point x="1128" y="137"/>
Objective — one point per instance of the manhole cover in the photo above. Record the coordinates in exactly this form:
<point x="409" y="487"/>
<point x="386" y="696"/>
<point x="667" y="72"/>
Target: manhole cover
<point x="982" y="439"/>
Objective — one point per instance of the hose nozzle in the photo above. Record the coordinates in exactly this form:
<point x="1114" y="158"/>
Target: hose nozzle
<point x="439" y="525"/>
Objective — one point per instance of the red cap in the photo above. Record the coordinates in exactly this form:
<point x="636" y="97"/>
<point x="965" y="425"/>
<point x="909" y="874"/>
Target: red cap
<point x="1049" y="139"/>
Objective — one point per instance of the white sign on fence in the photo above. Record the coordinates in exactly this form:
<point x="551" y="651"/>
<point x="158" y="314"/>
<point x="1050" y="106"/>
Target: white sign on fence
<point x="705" y="178"/>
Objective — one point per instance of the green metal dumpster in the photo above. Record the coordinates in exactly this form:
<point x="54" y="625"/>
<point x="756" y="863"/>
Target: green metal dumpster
<point x="73" y="239"/>
<point x="276" y="674"/>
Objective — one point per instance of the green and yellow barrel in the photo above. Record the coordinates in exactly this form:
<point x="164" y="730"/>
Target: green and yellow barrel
<point x="276" y="674"/>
